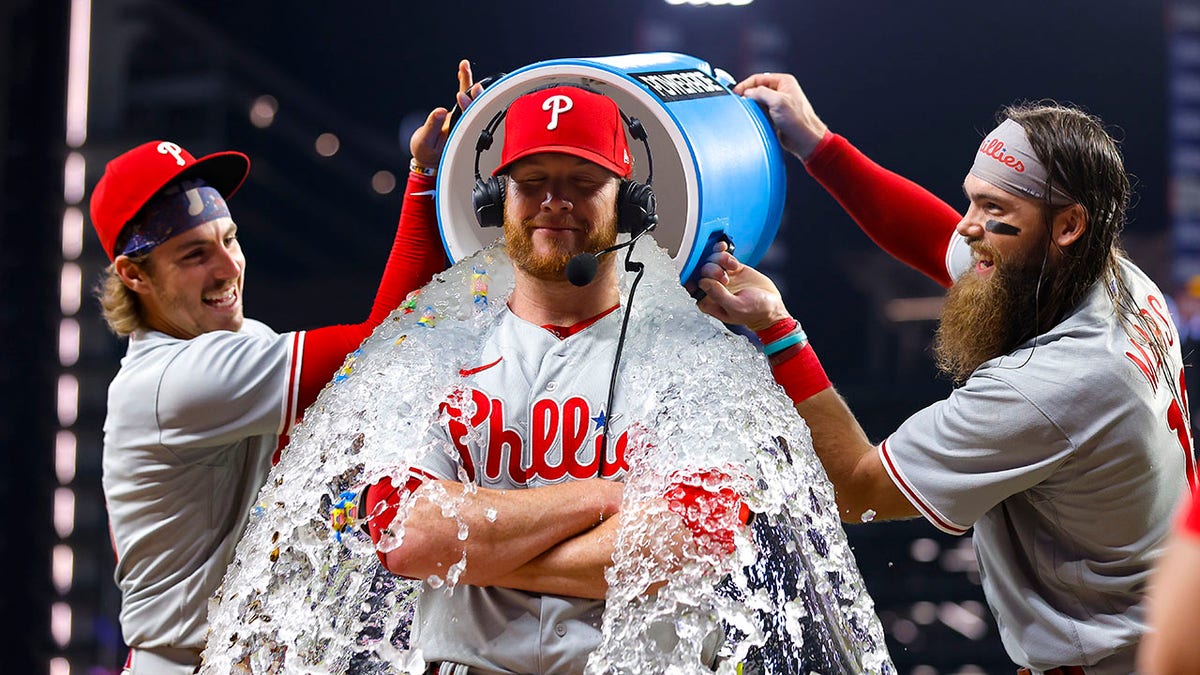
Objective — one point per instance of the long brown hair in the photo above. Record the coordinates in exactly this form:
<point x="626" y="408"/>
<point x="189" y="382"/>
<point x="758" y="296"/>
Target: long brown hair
<point x="1083" y="160"/>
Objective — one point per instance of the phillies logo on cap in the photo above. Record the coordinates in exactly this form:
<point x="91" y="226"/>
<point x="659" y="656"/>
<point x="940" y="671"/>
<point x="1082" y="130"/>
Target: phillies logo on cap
<point x="134" y="177"/>
<point x="566" y="119"/>
<point x="169" y="148"/>
<point x="556" y="105"/>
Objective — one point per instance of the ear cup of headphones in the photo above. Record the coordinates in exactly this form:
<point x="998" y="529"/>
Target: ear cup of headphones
<point x="488" y="200"/>
<point x="637" y="208"/>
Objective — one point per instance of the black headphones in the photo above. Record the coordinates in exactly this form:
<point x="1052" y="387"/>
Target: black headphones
<point x="636" y="204"/>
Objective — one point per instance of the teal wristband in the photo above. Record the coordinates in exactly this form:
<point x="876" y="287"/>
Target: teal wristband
<point x="796" y="337"/>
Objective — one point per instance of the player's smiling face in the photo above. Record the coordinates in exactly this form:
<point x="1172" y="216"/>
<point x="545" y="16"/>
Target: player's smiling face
<point x="1017" y="230"/>
<point x="558" y="206"/>
<point x="992" y="307"/>
<point x="193" y="281"/>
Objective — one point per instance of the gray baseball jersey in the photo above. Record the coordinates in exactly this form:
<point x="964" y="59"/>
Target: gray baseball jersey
<point x="539" y="415"/>
<point x="1068" y="456"/>
<point x="191" y="429"/>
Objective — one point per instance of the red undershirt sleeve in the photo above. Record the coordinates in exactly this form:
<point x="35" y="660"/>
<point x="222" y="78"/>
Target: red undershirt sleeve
<point x="380" y="505"/>
<point x="416" y="256"/>
<point x="901" y="217"/>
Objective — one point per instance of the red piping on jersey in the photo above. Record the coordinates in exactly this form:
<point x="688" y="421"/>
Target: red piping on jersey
<point x="291" y="394"/>
<point x="415" y="257"/>
<point x="915" y="498"/>
<point x="295" y="358"/>
<point x="564" y="332"/>
<point x="465" y="372"/>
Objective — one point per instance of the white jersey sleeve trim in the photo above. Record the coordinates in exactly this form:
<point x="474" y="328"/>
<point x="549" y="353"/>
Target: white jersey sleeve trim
<point x="421" y="475"/>
<point x="931" y="514"/>
<point x="291" y="392"/>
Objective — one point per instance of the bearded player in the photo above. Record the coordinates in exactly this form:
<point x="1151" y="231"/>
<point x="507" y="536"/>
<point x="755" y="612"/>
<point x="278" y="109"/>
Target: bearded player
<point x="1066" y="444"/>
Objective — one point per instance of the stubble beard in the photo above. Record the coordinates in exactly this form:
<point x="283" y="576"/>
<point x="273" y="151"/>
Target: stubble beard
<point x="552" y="266"/>
<point x="987" y="317"/>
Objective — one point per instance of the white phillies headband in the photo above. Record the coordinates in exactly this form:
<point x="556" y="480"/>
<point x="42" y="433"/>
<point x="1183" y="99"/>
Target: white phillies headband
<point x="1007" y="160"/>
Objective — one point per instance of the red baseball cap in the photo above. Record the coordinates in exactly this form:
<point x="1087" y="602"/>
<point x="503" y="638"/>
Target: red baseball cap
<point x="568" y="120"/>
<point x="131" y="179"/>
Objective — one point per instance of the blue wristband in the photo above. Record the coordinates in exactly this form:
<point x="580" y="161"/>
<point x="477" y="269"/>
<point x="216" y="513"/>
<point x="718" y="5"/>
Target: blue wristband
<point x="795" y="337"/>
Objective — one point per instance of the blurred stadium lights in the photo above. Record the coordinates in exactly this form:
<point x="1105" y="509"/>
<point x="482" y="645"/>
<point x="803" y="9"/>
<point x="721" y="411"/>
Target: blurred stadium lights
<point x="79" y="42"/>
<point x="328" y="144"/>
<point x="383" y="182"/>
<point x="75" y="127"/>
<point x="702" y="3"/>
<point x="263" y="111"/>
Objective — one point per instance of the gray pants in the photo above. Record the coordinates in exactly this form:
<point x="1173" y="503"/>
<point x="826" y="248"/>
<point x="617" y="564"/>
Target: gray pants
<point x="162" y="661"/>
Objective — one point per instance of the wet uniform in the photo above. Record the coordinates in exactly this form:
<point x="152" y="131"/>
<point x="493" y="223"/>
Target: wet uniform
<point x="540" y="396"/>
<point x="1067" y="458"/>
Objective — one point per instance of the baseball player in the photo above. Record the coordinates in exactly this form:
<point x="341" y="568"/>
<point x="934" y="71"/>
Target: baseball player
<point x="527" y="426"/>
<point x="1066" y="444"/>
<point x="205" y="397"/>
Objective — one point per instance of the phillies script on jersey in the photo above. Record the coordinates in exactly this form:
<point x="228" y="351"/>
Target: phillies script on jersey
<point x="565" y="439"/>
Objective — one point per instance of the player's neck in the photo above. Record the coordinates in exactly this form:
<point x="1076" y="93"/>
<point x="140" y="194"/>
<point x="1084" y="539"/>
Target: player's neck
<point x="561" y="303"/>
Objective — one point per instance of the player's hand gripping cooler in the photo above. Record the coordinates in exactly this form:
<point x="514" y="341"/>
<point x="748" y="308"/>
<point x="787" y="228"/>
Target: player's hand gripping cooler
<point x="729" y="557"/>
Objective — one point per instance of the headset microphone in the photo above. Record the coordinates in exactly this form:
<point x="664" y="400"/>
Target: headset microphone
<point x="582" y="268"/>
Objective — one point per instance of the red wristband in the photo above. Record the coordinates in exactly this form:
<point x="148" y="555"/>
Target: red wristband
<point x="801" y="375"/>
<point x="776" y="330"/>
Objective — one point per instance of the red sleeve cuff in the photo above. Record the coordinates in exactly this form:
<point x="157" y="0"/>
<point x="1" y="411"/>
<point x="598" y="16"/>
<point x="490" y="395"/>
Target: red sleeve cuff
<point x="800" y="374"/>
<point x="776" y="330"/>
<point x="826" y="141"/>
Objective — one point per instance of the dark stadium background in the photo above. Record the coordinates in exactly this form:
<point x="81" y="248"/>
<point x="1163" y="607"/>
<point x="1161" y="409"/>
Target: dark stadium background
<point x="914" y="84"/>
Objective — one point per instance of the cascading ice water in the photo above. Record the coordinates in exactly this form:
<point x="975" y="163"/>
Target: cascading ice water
<point x="306" y="595"/>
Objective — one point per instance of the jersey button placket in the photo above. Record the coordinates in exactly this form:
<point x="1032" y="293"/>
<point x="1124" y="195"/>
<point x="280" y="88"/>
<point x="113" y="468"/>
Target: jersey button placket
<point x="560" y="629"/>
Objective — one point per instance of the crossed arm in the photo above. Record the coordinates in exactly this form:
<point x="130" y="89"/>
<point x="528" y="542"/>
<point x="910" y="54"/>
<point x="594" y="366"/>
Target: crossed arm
<point x="554" y="539"/>
<point x="558" y="539"/>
